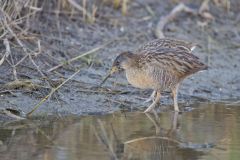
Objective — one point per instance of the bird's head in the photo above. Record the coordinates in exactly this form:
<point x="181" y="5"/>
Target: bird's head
<point x="120" y="63"/>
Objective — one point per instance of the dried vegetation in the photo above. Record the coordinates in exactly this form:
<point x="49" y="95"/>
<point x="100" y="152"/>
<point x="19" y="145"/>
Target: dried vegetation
<point x="31" y="35"/>
<point x="25" y="25"/>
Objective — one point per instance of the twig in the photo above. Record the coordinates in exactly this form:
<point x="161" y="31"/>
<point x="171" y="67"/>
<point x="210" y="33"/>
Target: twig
<point x="23" y="47"/>
<point x="14" y="35"/>
<point x="80" y="56"/>
<point x="118" y="102"/>
<point x="204" y="10"/>
<point x="8" y="50"/>
<point x="21" y="60"/>
<point x="204" y="6"/>
<point x="112" y="92"/>
<point x="25" y="50"/>
<point x="80" y="8"/>
<point x="52" y="91"/>
<point x="153" y="137"/>
<point x="124" y="7"/>
<point x="106" y="139"/>
<point x="164" y="20"/>
<point x="10" y="114"/>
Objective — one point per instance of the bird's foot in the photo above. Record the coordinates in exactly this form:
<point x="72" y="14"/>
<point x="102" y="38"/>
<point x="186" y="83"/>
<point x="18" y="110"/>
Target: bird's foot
<point x="150" y="108"/>
<point x="151" y="98"/>
<point x="176" y="108"/>
<point x="148" y="100"/>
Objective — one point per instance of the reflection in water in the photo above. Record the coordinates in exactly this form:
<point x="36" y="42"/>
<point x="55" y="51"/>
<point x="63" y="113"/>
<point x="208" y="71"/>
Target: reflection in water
<point x="207" y="132"/>
<point x="163" y="145"/>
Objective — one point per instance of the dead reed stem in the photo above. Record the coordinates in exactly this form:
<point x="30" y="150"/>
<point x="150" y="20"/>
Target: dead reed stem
<point x="80" y="8"/>
<point x="171" y="16"/>
<point x="49" y="95"/>
<point x="80" y="56"/>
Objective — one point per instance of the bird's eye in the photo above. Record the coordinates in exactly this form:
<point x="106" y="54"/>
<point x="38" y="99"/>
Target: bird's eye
<point x="118" y="62"/>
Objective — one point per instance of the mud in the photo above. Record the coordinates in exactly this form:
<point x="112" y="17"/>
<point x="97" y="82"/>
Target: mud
<point x="219" y="48"/>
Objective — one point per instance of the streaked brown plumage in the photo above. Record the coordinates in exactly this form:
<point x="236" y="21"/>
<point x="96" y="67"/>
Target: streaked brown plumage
<point x="166" y="43"/>
<point x="161" y="65"/>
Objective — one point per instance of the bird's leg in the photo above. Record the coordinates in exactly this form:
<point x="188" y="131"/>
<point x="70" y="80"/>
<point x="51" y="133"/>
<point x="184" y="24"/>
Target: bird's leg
<point x="175" y="120"/>
<point x="155" y="122"/>
<point x="151" y="98"/>
<point x="174" y="124"/>
<point x="175" y="100"/>
<point x="155" y="101"/>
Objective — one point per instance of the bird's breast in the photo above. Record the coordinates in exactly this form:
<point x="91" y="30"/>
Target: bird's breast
<point x="138" y="78"/>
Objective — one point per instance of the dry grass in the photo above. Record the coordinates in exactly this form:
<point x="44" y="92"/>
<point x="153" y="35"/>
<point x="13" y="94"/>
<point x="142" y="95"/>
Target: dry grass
<point x="22" y="36"/>
<point x="18" y="16"/>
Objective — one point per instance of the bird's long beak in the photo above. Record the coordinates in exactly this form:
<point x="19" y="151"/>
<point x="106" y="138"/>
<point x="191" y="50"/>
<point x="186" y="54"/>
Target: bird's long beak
<point x="113" y="70"/>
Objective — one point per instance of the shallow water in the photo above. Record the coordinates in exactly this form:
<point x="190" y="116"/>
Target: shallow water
<point x="208" y="131"/>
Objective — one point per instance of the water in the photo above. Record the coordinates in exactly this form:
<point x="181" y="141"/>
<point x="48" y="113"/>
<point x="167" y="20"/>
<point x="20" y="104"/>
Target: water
<point x="208" y="131"/>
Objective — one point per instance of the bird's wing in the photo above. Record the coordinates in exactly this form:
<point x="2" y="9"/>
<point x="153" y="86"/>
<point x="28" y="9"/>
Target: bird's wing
<point x="166" y="43"/>
<point x="177" y="62"/>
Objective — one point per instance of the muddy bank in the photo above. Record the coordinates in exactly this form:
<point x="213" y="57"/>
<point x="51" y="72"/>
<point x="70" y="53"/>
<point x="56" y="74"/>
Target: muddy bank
<point x="63" y="38"/>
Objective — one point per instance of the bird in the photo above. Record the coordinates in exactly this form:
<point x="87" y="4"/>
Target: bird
<point x="160" y="65"/>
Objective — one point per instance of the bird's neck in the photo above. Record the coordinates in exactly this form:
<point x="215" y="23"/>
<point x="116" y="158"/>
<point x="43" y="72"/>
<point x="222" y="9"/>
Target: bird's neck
<point x="130" y="63"/>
